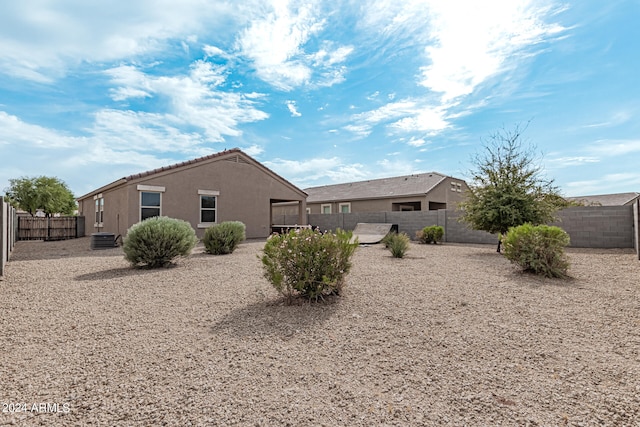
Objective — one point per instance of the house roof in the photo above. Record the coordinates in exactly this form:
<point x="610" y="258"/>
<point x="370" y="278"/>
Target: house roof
<point x="618" y="199"/>
<point x="241" y="156"/>
<point x="399" y="186"/>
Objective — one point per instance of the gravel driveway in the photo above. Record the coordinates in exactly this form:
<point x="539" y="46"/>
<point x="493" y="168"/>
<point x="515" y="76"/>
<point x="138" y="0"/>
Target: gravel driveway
<point x="450" y="335"/>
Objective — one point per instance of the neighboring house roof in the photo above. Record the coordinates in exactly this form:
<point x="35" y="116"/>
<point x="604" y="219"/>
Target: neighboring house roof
<point x="240" y="156"/>
<point x="399" y="186"/>
<point x="618" y="199"/>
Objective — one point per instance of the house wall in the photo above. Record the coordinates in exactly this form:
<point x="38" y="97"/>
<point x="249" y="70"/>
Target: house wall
<point x="587" y="226"/>
<point x="245" y="194"/>
<point x="441" y="193"/>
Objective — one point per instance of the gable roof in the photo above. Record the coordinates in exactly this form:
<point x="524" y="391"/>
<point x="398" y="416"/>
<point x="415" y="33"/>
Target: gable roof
<point x="233" y="154"/>
<point x="617" y="199"/>
<point x="399" y="186"/>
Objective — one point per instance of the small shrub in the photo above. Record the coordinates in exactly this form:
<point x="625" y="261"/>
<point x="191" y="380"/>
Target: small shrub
<point x="308" y="263"/>
<point x="399" y="244"/>
<point x="432" y="234"/>
<point x="223" y="238"/>
<point x="538" y="249"/>
<point x="158" y="241"/>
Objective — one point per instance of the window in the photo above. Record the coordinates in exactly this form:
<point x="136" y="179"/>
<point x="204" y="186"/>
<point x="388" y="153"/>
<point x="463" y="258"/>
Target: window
<point x="325" y="209"/>
<point x="459" y="188"/>
<point x="150" y="203"/>
<point x="453" y="186"/>
<point x="208" y="207"/>
<point x="99" y="219"/>
<point x="345" y="207"/>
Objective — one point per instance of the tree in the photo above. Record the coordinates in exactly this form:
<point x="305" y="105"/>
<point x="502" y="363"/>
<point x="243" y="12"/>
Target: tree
<point x="47" y="193"/>
<point x="507" y="188"/>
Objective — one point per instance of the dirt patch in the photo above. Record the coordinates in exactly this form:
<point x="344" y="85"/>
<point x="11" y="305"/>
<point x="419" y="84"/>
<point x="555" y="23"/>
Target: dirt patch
<point x="450" y="335"/>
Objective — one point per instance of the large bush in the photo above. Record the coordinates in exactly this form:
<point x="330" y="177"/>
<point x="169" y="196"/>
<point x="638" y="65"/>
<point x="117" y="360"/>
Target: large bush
<point x="308" y="263"/>
<point x="223" y="238"/>
<point x="432" y="234"/>
<point x="158" y="241"/>
<point x="538" y="249"/>
<point x="398" y="244"/>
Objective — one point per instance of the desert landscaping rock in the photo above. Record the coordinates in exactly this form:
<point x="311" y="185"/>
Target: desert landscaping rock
<point x="449" y="335"/>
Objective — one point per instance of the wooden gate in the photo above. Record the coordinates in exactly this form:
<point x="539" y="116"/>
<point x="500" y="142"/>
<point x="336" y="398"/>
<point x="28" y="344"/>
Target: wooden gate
<point x="56" y="228"/>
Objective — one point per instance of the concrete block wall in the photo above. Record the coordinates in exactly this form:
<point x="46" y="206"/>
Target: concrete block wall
<point x="598" y="226"/>
<point x="587" y="226"/>
<point x="410" y="222"/>
<point x="459" y="232"/>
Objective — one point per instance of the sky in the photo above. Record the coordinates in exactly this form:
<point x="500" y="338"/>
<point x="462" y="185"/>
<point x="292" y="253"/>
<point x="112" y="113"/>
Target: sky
<point x="321" y="92"/>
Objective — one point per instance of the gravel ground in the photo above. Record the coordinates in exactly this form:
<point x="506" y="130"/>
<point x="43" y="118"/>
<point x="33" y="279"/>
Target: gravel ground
<point x="450" y="335"/>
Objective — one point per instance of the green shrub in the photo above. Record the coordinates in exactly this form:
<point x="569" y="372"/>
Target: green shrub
<point x="308" y="263"/>
<point x="432" y="234"/>
<point x="398" y="244"/>
<point x="158" y="241"/>
<point x="537" y="249"/>
<point x="223" y="238"/>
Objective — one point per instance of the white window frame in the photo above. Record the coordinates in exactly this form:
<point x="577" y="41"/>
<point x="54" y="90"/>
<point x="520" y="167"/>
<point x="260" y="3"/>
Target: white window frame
<point x="99" y="210"/>
<point x="347" y="204"/>
<point x="149" y="189"/>
<point x="459" y="187"/>
<point x="208" y="193"/>
<point x="453" y="186"/>
<point x="324" y="205"/>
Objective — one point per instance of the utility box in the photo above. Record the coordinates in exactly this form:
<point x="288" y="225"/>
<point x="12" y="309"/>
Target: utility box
<point x="103" y="240"/>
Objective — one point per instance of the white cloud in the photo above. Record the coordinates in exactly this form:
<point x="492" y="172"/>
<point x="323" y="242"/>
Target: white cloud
<point x="463" y="43"/>
<point x="404" y="116"/>
<point x="468" y="48"/>
<point x="195" y="100"/>
<point x="416" y="142"/>
<point x="20" y="134"/>
<point x="615" y="147"/>
<point x="398" y="167"/>
<point x="362" y="131"/>
<point x="603" y="184"/>
<point x="275" y="43"/>
<point x="291" y="105"/>
<point x="253" y="150"/>
<point x="573" y="161"/>
<point x="305" y="173"/>
<point x="40" y="41"/>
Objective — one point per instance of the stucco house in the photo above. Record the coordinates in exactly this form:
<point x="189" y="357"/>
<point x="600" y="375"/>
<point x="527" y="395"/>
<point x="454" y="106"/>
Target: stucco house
<point x="417" y="192"/>
<point x="226" y="186"/>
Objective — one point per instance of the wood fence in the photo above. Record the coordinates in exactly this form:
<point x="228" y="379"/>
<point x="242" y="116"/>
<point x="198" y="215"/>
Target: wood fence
<point x="50" y="228"/>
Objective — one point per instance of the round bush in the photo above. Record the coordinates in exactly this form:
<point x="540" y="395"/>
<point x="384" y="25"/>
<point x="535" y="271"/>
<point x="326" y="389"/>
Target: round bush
<point x="538" y="249"/>
<point x="308" y="263"/>
<point x="158" y="241"/>
<point x="223" y="238"/>
<point x="432" y="234"/>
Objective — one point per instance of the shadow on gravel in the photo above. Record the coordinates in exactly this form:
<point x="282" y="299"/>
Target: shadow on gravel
<point x="273" y="319"/>
<point x="113" y="273"/>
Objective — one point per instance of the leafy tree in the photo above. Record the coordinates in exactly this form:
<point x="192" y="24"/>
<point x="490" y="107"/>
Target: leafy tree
<point x="507" y="188"/>
<point x="47" y="193"/>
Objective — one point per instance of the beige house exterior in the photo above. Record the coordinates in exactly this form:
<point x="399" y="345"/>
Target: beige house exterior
<point x="226" y="186"/>
<point x="417" y="192"/>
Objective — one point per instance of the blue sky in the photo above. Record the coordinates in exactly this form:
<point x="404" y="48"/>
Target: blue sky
<point x="321" y="92"/>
